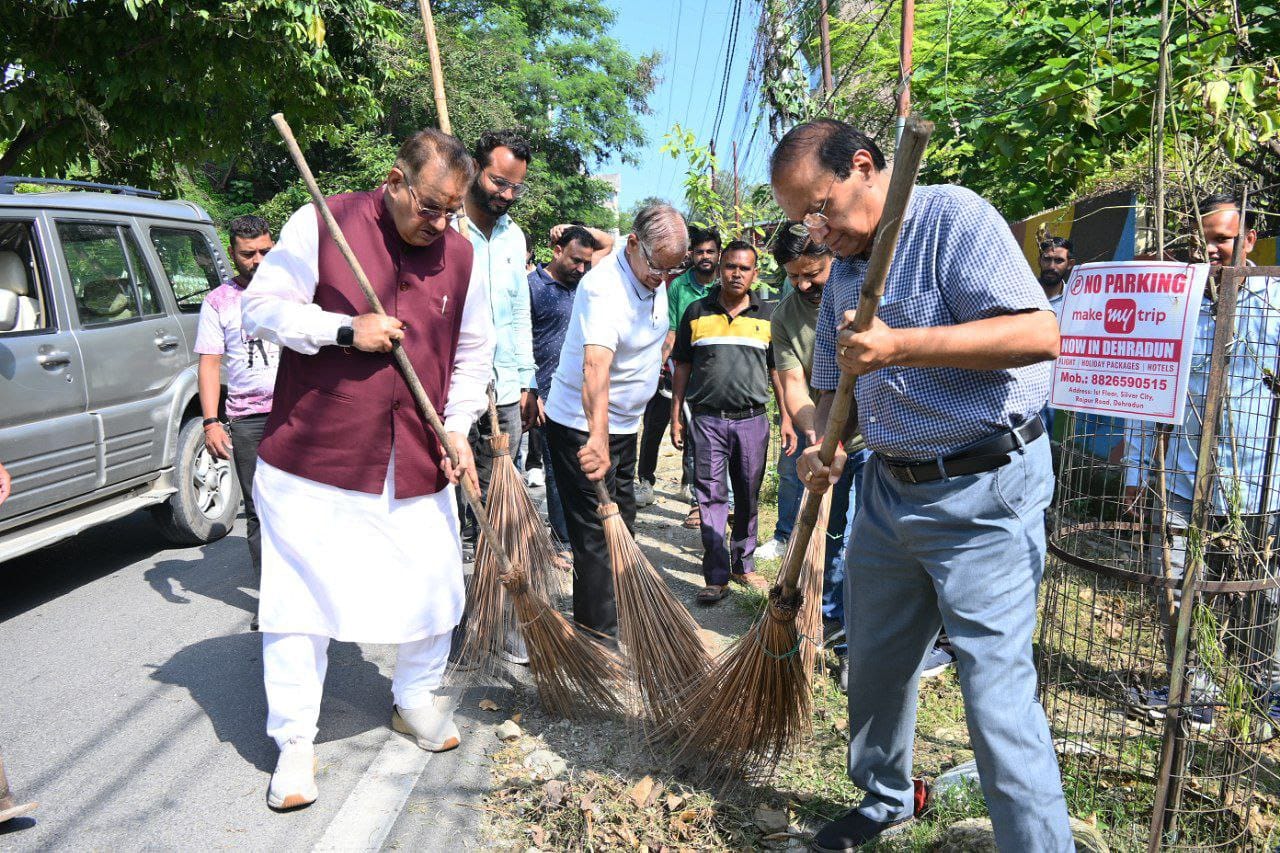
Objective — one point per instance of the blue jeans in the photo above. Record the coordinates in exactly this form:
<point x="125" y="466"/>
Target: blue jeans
<point x="555" y="510"/>
<point x="789" y="491"/>
<point x="965" y="554"/>
<point x="844" y="505"/>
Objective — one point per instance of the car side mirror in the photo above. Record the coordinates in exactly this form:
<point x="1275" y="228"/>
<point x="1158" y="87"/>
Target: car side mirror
<point x="8" y="310"/>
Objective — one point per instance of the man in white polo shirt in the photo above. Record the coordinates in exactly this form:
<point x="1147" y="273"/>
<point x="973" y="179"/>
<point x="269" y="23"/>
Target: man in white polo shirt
<point x="608" y="371"/>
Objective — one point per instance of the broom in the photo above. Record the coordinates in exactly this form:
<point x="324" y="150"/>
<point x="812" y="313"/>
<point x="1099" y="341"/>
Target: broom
<point x="524" y="538"/>
<point x="809" y="617"/>
<point x="657" y="631"/>
<point x="572" y="671"/>
<point x="754" y="705"/>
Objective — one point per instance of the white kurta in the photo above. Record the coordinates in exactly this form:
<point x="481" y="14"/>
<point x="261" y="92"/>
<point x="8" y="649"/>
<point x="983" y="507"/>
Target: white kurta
<point x="345" y="564"/>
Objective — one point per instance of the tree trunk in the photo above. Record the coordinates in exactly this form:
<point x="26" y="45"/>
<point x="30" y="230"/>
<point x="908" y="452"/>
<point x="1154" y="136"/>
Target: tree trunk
<point x="26" y="138"/>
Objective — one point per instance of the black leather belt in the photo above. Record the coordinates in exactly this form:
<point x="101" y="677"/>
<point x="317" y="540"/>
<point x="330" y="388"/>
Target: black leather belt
<point x="738" y="415"/>
<point x="985" y="455"/>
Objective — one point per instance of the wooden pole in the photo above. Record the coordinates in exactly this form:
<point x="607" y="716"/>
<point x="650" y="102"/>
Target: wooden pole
<point x="906" y="39"/>
<point x="437" y="71"/>
<point x="824" y="34"/>
<point x="1157" y="129"/>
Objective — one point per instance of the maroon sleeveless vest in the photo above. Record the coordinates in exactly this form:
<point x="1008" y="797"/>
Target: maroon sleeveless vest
<point x="336" y="413"/>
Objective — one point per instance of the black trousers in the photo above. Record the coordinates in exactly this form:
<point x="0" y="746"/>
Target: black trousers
<point x="533" y="454"/>
<point x="246" y="435"/>
<point x="593" y="597"/>
<point x="657" y="417"/>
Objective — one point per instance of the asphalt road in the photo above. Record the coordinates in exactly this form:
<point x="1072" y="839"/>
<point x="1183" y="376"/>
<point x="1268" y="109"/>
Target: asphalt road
<point x="132" y="710"/>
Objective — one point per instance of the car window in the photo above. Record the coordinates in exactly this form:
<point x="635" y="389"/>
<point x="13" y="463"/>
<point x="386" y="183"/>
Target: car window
<point x="110" y="282"/>
<point x="188" y="261"/>
<point x="21" y="275"/>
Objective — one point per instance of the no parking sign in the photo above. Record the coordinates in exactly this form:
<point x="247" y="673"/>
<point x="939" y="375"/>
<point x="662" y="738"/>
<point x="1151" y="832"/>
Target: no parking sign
<point x="1127" y="335"/>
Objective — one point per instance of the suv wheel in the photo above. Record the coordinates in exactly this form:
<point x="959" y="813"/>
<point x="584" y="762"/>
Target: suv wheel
<point x="208" y="498"/>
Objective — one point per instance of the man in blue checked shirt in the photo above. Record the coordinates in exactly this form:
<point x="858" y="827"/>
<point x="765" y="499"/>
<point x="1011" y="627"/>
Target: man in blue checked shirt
<point x="950" y="533"/>
<point x="1247" y="438"/>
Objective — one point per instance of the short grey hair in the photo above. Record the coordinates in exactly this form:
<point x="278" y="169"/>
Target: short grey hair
<point x="659" y="224"/>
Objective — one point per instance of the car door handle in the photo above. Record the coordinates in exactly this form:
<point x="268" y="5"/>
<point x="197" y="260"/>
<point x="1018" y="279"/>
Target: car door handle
<point x="53" y="358"/>
<point x="167" y="342"/>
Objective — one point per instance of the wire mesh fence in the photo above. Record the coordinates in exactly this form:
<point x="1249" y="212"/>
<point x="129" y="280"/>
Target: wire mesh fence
<point x="1160" y="667"/>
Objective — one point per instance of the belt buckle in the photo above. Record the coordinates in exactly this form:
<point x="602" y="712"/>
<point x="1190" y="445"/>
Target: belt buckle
<point x="907" y="474"/>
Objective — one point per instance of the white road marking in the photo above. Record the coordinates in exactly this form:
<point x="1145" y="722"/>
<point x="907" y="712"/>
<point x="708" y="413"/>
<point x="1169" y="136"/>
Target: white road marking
<point x="371" y="809"/>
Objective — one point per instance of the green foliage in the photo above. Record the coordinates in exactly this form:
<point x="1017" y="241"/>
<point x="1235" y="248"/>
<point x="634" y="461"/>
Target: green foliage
<point x="187" y="112"/>
<point x="711" y="202"/>
<point x="1040" y="102"/>
<point x="131" y="88"/>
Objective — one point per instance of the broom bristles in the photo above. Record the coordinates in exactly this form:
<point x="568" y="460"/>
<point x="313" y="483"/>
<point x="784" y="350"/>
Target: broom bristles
<point x="525" y="540"/>
<point x="658" y="633"/>
<point x="753" y="706"/>
<point x="574" y="673"/>
<point x="809" y="620"/>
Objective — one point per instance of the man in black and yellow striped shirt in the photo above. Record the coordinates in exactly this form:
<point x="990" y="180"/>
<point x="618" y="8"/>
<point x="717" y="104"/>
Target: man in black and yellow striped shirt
<point x="724" y="368"/>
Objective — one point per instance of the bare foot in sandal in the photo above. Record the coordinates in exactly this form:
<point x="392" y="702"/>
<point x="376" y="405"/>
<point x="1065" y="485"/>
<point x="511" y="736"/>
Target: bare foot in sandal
<point x="711" y="593"/>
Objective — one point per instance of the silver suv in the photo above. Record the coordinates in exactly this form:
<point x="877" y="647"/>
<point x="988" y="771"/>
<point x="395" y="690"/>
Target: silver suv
<point x="100" y="290"/>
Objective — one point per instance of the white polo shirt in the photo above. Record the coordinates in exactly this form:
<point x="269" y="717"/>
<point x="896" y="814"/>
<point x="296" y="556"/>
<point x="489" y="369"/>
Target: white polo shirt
<point x="612" y="309"/>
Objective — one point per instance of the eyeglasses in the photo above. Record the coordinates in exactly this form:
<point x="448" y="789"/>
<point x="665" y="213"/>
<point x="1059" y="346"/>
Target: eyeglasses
<point x="813" y="221"/>
<point x="429" y="213"/>
<point x="503" y="185"/>
<point x="667" y="273"/>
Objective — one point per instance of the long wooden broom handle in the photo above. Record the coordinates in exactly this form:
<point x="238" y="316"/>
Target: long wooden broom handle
<point x="469" y="490"/>
<point x="906" y="165"/>
<point x="437" y="70"/>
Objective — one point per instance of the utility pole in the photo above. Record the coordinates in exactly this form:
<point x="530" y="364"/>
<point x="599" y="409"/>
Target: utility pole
<point x="737" y="219"/>
<point x="904" y="67"/>
<point x="713" y="164"/>
<point x="824" y="34"/>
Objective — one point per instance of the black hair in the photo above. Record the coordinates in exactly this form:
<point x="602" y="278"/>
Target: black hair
<point x="835" y="142"/>
<point x="698" y="236"/>
<point x="247" y="227"/>
<point x="577" y="234"/>
<point x="1217" y="201"/>
<point x="1058" y="243"/>
<point x="511" y="139"/>
<point x="740" y="246"/>
<point x="789" y="245"/>
<point x="430" y="144"/>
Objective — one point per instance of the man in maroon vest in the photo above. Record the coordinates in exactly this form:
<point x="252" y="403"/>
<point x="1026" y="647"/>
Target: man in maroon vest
<point x="359" y="524"/>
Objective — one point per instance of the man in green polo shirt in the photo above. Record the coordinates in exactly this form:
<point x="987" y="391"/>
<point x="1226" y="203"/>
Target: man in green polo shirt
<point x="704" y="259"/>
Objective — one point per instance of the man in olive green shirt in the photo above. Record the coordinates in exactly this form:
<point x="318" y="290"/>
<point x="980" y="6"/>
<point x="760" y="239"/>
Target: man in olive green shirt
<point x="704" y="258"/>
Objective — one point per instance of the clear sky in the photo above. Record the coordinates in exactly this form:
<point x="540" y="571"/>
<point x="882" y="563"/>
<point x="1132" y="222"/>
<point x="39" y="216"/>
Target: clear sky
<point x="692" y="36"/>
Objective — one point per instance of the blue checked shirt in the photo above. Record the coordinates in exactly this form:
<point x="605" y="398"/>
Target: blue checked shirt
<point x="956" y="262"/>
<point x="1246" y="435"/>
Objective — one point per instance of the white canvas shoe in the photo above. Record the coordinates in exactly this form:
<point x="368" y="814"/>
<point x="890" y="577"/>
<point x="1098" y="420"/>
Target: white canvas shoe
<point x="535" y="478"/>
<point x="293" y="785"/>
<point x="427" y="727"/>
<point x="644" y="493"/>
<point x="771" y="550"/>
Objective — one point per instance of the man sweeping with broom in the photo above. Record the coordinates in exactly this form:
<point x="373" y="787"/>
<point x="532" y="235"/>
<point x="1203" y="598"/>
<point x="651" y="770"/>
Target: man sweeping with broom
<point x="359" y="526"/>
<point x="608" y="370"/>
<point x="950" y="533"/>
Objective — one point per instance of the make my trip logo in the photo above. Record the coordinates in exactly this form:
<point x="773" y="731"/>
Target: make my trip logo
<point x="1120" y="316"/>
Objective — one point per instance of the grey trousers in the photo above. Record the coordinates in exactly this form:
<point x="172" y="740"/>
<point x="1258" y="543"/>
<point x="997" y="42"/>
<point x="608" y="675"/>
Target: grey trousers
<point x="967" y="553"/>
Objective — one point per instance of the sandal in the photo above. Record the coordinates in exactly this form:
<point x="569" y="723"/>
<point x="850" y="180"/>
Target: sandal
<point x="752" y="580"/>
<point x="711" y="593"/>
<point x="693" y="520"/>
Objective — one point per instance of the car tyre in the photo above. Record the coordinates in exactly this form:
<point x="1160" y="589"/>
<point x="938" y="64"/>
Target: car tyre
<point x="205" y="506"/>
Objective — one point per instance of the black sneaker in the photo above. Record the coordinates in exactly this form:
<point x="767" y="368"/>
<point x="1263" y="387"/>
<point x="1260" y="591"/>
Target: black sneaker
<point x="846" y="834"/>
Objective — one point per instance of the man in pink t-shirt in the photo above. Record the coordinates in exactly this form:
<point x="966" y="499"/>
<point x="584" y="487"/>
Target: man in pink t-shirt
<point x="251" y="371"/>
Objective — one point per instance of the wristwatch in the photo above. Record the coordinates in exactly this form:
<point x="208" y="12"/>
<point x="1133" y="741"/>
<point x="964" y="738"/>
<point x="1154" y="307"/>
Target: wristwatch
<point x="346" y="335"/>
